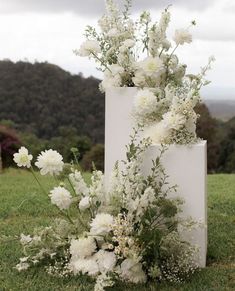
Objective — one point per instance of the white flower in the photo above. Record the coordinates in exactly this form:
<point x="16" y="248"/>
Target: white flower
<point x="22" y="158"/>
<point x="85" y="266"/>
<point x="113" y="32"/>
<point x="152" y="65"/>
<point x="106" y="260"/>
<point x="78" y="183"/>
<point x="101" y="224"/>
<point x="191" y="125"/>
<point x="145" y="102"/>
<point x="82" y="248"/>
<point x="25" y="239"/>
<point x="84" y="203"/>
<point x="173" y="120"/>
<point x="115" y="70"/>
<point x="139" y="79"/>
<point x="112" y="77"/>
<point x="129" y="43"/>
<point x="181" y="36"/>
<point x="50" y="162"/>
<point x="166" y="44"/>
<point x="88" y="48"/>
<point x="158" y="133"/>
<point x="102" y="281"/>
<point x="132" y="271"/>
<point x="23" y="265"/>
<point x="61" y="197"/>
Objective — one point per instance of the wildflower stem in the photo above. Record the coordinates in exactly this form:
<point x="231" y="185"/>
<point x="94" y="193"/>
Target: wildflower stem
<point x="36" y="178"/>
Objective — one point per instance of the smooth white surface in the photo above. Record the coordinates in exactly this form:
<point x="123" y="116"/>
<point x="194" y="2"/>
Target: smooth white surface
<point x="187" y="168"/>
<point x="118" y="125"/>
<point x="186" y="165"/>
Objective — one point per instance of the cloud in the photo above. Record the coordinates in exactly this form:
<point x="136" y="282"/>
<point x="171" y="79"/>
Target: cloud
<point x="92" y="7"/>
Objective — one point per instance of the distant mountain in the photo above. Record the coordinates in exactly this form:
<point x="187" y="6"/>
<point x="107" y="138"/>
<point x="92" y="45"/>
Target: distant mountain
<point x="41" y="97"/>
<point x="221" y="109"/>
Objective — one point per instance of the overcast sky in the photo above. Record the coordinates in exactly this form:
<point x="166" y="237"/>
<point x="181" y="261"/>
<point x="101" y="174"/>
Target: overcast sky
<point x="48" y="30"/>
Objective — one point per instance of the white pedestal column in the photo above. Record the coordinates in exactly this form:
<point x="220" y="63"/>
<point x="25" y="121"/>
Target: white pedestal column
<point x="118" y="125"/>
<point x="186" y="165"/>
<point x="187" y="168"/>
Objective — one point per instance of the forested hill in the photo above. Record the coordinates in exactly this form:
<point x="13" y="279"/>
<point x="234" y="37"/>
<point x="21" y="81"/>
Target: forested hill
<point x="41" y="97"/>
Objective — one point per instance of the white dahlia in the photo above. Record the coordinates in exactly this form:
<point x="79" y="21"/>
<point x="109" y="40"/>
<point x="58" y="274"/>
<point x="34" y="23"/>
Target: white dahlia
<point x="50" y="162"/>
<point x="158" y="133"/>
<point x="152" y="65"/>
<point x="106" y="260"/>
<point x="101" y="224"/>
<point x="132" y="271"/>
<point x="145" y="102"/>
<point x="85" y="266"/>
<point x="82" y="248"/>
<point x="173" y="120"/>
<point x="61" y="197"/>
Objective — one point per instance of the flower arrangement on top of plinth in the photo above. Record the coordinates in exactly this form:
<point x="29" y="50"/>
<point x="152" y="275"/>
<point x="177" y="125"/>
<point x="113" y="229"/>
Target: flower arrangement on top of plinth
<point x="139" y="54"/>
<point x="129" y="231"/>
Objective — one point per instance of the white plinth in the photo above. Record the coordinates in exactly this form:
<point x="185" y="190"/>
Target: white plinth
<point x="186" y="166"/>
<point x="118" y="125"/>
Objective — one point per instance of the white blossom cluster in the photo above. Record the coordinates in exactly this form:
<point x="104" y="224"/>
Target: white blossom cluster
<point x="107" y="233"/>
<point x="134" y="52"/>
<point x="138" y="53"/>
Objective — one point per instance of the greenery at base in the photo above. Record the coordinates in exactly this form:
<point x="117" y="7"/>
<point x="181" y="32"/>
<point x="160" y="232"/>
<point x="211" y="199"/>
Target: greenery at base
<point x="23" y="207"/>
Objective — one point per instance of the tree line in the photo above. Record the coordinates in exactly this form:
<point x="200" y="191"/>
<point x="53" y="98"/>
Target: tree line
<point x="43" y="106"/>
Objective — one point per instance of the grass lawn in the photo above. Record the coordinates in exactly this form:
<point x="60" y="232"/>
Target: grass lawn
<point x="23" y="207"/>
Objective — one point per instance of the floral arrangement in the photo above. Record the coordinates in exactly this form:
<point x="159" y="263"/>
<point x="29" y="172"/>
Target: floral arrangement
<point x="129" y="229"/>
<point x="126" y="232"/>
<point x="137" y="53"/>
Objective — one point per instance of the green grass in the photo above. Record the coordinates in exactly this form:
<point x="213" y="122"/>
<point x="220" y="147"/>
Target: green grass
<point x="23" y="207"/>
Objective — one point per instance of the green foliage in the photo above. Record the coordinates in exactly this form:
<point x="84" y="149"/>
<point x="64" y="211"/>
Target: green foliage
<point x="41" y="97"/>
<point x="23" y="207"/>
<point x="207" y="129"/>
<point x="96" y="156"/>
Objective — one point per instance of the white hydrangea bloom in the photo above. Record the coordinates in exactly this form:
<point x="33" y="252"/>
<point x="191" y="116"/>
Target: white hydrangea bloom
<point x="182" y="36"/>
<point x="84" y="203"/>
<point x="61" y="197"/>
<point x="132" y="271"/>
<point x="106" y="260"/>
<point x="50" y="162"/>
<point x="101" y="224"/>
<point x="88" y="48"/>
<point x="23" y="158"/>
<point x="145" y="102"/>
<point x="82" y="248"/>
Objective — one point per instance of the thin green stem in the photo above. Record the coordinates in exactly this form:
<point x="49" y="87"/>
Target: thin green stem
<point x="36" y="178"/>
<point x="102" y="63"/>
